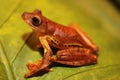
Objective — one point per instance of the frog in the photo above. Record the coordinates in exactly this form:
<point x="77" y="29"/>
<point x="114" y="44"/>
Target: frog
<point x="75" y="47"/>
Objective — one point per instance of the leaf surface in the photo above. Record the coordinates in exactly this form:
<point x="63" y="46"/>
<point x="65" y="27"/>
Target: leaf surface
<point x="99" y="19"/>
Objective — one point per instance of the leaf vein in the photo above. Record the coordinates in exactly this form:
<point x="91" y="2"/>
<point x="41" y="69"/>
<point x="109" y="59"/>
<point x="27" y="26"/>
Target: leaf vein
<point x="10" y="14"/>
<point x="89" y="70"/>
<point x="6" y="63"/>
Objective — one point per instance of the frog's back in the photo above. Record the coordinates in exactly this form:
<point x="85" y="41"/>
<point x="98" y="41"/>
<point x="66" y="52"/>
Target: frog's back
<point x="62" y="32"/>
<point x="68" y="35"/>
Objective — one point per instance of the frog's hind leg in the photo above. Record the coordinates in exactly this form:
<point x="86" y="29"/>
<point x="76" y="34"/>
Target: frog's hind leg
<point x="75" y="57"/>
<point x="86" y="39"/>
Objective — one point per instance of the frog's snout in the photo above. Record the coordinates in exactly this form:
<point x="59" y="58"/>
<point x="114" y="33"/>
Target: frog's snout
<point x="25" y="15"/>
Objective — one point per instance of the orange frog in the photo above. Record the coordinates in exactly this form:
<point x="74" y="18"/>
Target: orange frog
<point x="75" y="48"/>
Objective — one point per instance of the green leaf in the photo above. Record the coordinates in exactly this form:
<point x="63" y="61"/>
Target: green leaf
<point x="99" y="19"/>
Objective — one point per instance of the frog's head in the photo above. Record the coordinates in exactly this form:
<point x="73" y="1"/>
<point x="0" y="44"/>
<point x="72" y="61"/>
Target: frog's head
<point x="35" y="20"/>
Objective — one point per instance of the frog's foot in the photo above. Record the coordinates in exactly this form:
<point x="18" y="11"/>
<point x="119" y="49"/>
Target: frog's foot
<point x="36" y="69"/>
<point x="32" y="66"/>
<point x="76" y="57"/>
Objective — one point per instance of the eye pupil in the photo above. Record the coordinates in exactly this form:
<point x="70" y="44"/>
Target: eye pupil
<point x="36" y="21"/>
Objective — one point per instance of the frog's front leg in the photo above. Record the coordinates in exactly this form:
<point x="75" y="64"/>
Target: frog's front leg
<point x="44" y="63"/>
<point x="76" y="57"/>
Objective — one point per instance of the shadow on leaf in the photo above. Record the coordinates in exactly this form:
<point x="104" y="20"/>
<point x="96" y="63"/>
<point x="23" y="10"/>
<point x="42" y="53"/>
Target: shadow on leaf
<point x="32" y="41"/>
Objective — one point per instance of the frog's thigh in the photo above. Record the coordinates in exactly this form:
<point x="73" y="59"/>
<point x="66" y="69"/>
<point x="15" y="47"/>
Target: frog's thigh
<point x="76" y="27"/>
<point x="75" y="57"/>
<point x="85" y="37"/>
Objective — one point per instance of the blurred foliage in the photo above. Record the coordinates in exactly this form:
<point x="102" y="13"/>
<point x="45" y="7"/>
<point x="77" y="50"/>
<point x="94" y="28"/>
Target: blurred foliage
<point x="98" y="18"/>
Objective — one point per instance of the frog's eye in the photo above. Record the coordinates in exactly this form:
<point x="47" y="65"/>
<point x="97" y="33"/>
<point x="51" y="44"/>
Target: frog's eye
<point x="36" y="21"/>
